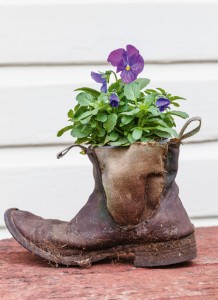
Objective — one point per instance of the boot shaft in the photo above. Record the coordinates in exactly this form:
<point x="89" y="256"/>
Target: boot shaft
<point x="132" y="182"/>
<point x="135" y="178"/>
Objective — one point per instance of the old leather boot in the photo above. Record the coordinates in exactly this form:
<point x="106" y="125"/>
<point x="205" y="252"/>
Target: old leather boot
<point x="134" y="211"/>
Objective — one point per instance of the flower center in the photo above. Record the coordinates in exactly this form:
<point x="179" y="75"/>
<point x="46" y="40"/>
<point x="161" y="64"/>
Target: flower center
<point x="127" y="68"/>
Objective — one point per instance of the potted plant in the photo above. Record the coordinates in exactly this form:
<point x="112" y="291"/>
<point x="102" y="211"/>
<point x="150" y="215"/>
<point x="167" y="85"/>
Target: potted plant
<point x="134" y="210"/>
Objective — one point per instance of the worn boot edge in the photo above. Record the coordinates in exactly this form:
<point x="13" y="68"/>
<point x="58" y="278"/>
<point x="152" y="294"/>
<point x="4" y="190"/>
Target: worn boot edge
<point x="147" y="255"/>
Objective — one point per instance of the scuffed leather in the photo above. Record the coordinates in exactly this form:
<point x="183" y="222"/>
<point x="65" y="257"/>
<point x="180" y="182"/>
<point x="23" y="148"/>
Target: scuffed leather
<point x="94" y="227"/>
<point x="133" y="180"/>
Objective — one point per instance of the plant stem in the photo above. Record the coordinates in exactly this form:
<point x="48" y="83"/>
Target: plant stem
<point x="115" y="75"/>
<point x="119" y="131"/>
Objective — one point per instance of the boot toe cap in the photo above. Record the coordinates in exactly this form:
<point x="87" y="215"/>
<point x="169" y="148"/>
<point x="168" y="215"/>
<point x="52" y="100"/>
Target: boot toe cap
<point x="22" y="223"/>
<point x="31" y="230"/>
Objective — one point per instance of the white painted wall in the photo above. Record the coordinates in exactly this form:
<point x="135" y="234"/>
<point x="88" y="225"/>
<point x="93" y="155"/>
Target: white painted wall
<point x="84" y="31"/>
<point x="48" y="48"/>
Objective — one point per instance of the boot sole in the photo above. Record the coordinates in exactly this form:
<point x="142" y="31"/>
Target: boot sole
<point x="151" y="254"/>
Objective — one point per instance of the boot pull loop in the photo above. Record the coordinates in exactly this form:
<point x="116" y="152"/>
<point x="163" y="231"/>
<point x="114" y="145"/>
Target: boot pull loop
<point x="64" y="152"/>
<point x="183" y="136"/>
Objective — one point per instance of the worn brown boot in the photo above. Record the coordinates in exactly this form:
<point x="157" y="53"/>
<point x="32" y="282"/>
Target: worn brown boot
<point x="134" y="211"/>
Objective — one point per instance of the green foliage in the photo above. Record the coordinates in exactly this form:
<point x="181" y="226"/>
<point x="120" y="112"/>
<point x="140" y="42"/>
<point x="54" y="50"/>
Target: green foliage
<point x="110" y="123"/>
<point x="132" y="91"/>
<point x="90" y="91"/>
<point x="84" y="98"/>
<point x="60" y="132"/>
<point x="136" y="119"/>
<point x="143" y="82"/>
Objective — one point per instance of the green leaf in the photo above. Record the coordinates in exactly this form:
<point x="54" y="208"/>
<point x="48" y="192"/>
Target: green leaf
<point x="86" y="120"/>
<point x="102" y="98"/>
<point x="178" y="113"/>
<point x="101" y="117"/>
<point x="93" y="123"/>
<point x="85" y="115"/>
<point x="158" y="122"/>
<point x="132" y="91"/>
<point x="126" y="119"/>
<point x="60" y="132"/>
<point x="168" y="119"/>
<point x="123" y="108"/>
<point x="130" y="138"/>
<point x="101" y="132"/>
<point x="86" y="129"/>
<point x="119" y="142"/>
<point x="162" y="91"/>
<point x="176" y="98"/>
<point x="113" y="136"/>
<point x="88" y="113"/>
<point x="161" y="122"/>
<point x="131" y="112"/>
<point x="81" y="141"/>
<point x="79" y="132"/>
<point x="149" y="91"/>
<point x="154" y="110"/>
<point x="89" y="91"/>
<point x="78" y="111"/>
<point x="175" y="104"/>
<point x="84" y="99"/>
<point x="145" y="139"/>
<point x="95" y="111"/>
<point x="162" y="134"/>
<point x="116" y="86"/>
<point x="110" y="123"/>
<point x="149" y="99"/>
<point x="70" y="114"/>
<point x="143" y="82"/>
<point x="137" y="133"/>
<point x="167" y="129"/>
<point x="106" y="140"/>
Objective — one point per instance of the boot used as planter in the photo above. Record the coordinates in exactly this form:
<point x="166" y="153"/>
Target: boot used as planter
<point x="134" y="211"/>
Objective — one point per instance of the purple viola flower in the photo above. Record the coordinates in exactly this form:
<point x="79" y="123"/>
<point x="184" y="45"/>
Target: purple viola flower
<point x="100" y="79"/>
<point x="114" y="100"/>
<point x="162" y="104"/>
<point x="129" y="62"/>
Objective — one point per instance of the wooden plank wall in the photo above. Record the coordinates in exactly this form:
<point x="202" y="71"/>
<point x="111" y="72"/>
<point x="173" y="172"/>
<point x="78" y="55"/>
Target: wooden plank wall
<point x="48" y="48"/>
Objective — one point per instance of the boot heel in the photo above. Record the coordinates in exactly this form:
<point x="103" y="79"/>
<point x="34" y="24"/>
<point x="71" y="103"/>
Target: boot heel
<point x="166" y="253"/>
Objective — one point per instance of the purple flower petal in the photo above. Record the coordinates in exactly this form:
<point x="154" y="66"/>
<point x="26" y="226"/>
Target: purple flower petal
<point x="100" y="79"/>
<point x="130" y="63"/>
<point x="131" y="50"/>
<point x="104" y="87"/>
<point x="121" y="66"/>
<point x="128" y="76"/>
<point x="114" y="100"/>
<point x="97" y="77"/>
<point x="116" y="56"/>
<point x="136" y="63"/>
<point x="162" y="103"/>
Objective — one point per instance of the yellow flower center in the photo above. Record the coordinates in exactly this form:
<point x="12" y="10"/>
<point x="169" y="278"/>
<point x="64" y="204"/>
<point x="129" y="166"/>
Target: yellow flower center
<point x="127" y="68"/>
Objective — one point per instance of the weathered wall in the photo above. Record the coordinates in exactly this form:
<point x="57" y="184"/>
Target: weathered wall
<point x="48" y="48"/>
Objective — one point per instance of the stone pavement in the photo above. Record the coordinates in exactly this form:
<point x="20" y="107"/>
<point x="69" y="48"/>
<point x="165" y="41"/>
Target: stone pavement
<point x="24" y="276"/>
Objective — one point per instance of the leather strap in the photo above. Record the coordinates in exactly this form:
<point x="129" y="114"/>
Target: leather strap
<point x="64" y="152"/>
<point x="183" y="136"/>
